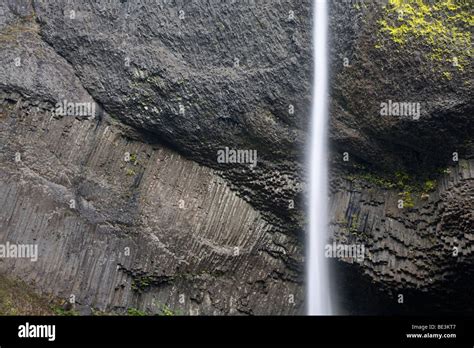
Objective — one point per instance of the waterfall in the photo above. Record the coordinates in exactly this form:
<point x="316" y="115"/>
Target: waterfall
<point x="318" y="295"/>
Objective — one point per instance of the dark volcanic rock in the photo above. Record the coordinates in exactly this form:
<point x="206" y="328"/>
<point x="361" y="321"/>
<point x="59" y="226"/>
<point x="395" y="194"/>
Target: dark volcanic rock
<point x="195" y="245"/>
<point x="172" y="228"/>
<point x="377" y="70"/>
<point x="200" y="77"/>
<point x="424" y="250"/>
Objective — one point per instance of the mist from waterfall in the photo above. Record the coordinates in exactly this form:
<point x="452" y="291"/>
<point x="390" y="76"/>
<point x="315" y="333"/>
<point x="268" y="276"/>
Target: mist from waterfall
<point x="318" y="294"/>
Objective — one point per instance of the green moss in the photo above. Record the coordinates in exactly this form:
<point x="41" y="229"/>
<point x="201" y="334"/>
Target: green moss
<point x="408" y="186"/>
<point x="400" y="180"/>
<point x="163" y="310"/>
<point x="63" y="312"/>
<point x="133" y="312"/>
<point x="354" y="227"/>
<point x="443" y="26"/>
<point x="18" y="298"/>
<point x="99" y="313"/>
<point x="134" y="158"/>
<point x="373" y="179"/>
<point x="140" y="283"/>
<point x="429" y="185"/>
<point x="166" y="311"/>
<point x="407" y="198"/>
<point x="403" y="180"/>
<point x="447" y="75"/>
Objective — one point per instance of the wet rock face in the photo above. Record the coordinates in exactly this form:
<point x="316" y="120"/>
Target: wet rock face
<point x="132" y="209"/>
<point x="371" y="66"/>
<point x="200" y="76"/>
<point x="417" y="236"/>
<point x="423" y="251"/>
<point x="158" y="229"/>
<point x="155" y="232"/>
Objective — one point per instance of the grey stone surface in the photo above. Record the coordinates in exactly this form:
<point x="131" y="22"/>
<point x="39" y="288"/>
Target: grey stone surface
<point x="159" y="231"/>
<point x="226" y="237"/>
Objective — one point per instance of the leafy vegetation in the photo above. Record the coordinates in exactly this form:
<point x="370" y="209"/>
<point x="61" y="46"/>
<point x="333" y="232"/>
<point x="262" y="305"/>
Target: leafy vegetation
<point x="407" y="185"/>
<point x="141" y="283"/>
<point x="407" y="198"/>
<point x="166" y="311"/>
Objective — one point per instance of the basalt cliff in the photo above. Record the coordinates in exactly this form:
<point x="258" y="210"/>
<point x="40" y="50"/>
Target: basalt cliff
<point x="132" y="211"/>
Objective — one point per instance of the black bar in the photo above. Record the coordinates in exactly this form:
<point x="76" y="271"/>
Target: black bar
<point x="290" y="331"/>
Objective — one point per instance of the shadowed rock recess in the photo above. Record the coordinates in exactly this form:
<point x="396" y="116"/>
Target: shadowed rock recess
<point x="131" y="210"/>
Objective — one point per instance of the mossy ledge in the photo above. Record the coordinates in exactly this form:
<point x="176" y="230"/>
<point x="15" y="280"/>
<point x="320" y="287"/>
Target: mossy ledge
<point x="443" y="27"/>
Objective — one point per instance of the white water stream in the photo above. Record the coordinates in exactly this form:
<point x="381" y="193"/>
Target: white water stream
<point x="318" y="294"/>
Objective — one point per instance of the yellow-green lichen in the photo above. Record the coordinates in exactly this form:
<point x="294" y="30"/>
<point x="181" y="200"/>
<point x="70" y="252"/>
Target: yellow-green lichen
<point x="443" y="27"/>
